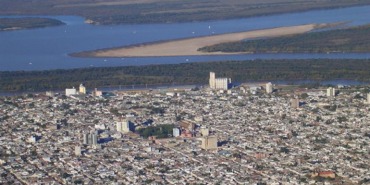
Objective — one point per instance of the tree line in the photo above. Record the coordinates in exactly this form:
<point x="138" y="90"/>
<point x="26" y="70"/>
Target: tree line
<point x="163" y="11"/>
<point x="27" y="23"/>
<point x="354" y="40"/>
<point x="188" y="73"/>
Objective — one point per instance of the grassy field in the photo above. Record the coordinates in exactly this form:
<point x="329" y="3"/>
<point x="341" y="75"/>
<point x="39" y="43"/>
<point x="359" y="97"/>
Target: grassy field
<point x="161" y="11"/>
<point x="188" y="73"/>
<point x="27" y="23"/>
<point x="354" y="40"/>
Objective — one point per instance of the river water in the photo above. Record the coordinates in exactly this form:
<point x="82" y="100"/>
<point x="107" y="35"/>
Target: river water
<point x="48" y="48"/>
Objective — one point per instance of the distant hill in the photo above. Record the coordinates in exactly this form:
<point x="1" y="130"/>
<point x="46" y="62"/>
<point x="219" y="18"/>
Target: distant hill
<point x="163" y="11"/>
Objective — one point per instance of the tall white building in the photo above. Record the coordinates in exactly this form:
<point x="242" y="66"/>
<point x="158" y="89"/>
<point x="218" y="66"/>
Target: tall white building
<point x="330" y="92"/>
<point x="269" y="88"/>
<point x="176" y="132"/>
<point x="204" y="131"/>
<point x="50" y="93"/>
<point x="97" y="93"/>
<point x="90" y="138"/>
<point x="212" y="80"/>
<point x="218" y="83"/>
<point x="209" y="142"/>
<point x="94" y="138"/>
<point x="32" y="139"/>
<point x="77" y="150"/>
<point x="294" y="103"/>
<point x="82" y="89"/>
<point x="70" y="92"/>
<point x="221" y="83"/>
<point x="86" y="139"/>
<point x="123" y="126"/>
<point x="119" y="126"/>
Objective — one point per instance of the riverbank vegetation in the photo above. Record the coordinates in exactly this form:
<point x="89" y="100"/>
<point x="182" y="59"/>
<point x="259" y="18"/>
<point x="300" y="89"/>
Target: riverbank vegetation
<point x="188" y="73"/>
<point x="351" y="40"/>
<point x="7" y="24"/>
<point x="163" y="11"/>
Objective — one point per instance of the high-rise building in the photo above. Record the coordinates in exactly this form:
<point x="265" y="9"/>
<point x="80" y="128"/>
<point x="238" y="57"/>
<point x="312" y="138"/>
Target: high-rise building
<point x="86" y="140"/>
<point x="221" y="83"/>
<point x="123" y="126"/>
<point x="90" y="138"/>
<point x="94" y="138"/>
<point x="218" y="83"/>
<point x="176" y="132"/>
<point x="97" y="93"/>
<point x="32" y="139"/>
<point x="294" y="103"/>
<point x="368" y="98"/>
<point x="50" y="93"/>
<point x="204" y="131"/>
<point x="119" y="126"/>
<point x="70" y="92"/>
<point x="126" y="126"/>
<point x="212" y="78"/>
<point x="77" y="150"/>
<point x="330" y="92"/>
<point x="209" y="143"/>
<point x="82" y="89"/>
<point x="269" y="88"/>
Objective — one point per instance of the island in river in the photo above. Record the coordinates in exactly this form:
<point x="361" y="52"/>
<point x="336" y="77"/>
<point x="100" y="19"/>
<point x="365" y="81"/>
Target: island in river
<point x="349" y="40"/>
<point x="7" y="24"/>
<point x="190" y="46"/>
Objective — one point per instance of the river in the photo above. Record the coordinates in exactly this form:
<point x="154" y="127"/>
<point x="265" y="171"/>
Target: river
<point x="48" y="48"/>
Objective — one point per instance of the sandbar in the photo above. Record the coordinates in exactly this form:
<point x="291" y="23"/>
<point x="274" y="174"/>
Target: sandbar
<point x="189" y="47"/>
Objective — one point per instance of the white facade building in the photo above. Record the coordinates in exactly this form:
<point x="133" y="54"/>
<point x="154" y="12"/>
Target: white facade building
<point x="119" y="126"/>
<point x="269" y="88"/>
<point x="218" y="83"/>
<point x="176" y="132"/>
<point x="82" y="89"/>
<point x="50" y="93"/>
<point x="221" y="83"/>
<point x="330" y="92"/>
<point x="90" y="138"/>
<point x="209" y="142"/>
<point x="123" y="126"/>
<point x="294" y="103"/>
<point x="70" y="92"/>
<point x="32" y="139"/>
<point x="212" y="80"/>
<point x="204" y="131"/>
<point x="77" y="150"/>
<point x="97" y="93"/>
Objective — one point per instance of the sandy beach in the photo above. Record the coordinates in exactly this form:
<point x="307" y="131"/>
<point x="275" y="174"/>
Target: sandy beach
<point x="189" y="47"/>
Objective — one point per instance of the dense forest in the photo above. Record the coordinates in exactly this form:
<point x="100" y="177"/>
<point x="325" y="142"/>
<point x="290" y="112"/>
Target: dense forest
<point x="27" y="23"/>
<point x="343" y="40"/>
<point x="188" y="73"/>
<point x="163" y="11"/>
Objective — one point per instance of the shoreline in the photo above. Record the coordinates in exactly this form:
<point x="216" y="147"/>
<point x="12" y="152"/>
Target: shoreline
<point x="28" y="23"/>
<point x="190" y="46"/>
